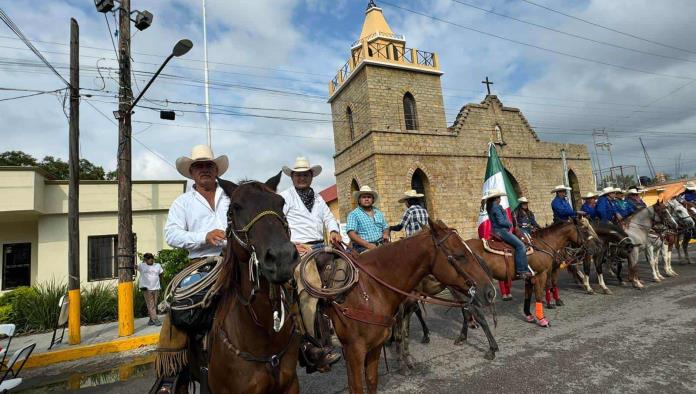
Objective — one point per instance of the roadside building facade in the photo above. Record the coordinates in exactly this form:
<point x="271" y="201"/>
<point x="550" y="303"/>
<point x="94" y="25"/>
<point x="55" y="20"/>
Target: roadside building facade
<point x="34" y="225"/>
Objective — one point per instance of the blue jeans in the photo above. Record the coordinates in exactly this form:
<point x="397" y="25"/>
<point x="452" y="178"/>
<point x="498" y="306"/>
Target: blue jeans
<point x="521" y="264"/>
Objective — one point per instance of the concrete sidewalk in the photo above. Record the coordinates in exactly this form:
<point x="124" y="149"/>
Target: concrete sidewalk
<point x="96" y="339"/>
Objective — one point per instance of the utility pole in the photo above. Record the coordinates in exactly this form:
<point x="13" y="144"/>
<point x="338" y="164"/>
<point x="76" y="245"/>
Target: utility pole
<point x="651" y="166"/>
<point x="74" y="337"/>
<point x="125" y="253"/>
<point x="205" y="67"/>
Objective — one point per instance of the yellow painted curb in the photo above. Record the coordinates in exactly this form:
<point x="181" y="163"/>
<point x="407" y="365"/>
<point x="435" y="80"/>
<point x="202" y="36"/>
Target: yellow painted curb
<point x="79" y="352"/>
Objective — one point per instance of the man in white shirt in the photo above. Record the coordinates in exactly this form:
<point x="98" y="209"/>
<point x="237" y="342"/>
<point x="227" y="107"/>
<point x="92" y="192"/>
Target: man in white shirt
<point x="149" y="283"/>
<point x="197" y="222"/>
<point x="308" y="215"/>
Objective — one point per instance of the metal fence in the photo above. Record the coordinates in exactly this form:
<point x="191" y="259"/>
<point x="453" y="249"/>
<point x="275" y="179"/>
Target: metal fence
<point x="617" y="176"/>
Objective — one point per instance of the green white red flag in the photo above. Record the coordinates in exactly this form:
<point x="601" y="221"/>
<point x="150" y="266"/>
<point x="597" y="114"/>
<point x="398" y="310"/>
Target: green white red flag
<point x="496" y="178"/>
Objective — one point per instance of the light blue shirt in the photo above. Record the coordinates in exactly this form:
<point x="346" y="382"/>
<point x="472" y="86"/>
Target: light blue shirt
<point x="369" y="228"/>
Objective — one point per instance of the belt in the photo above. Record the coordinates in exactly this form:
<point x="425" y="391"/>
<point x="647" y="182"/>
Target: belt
<point x="314" y="242"/>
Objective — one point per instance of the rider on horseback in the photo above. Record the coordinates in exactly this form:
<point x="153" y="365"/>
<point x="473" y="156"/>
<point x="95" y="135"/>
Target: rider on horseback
<point x="689" y="194"/>
<point x="633" y="198"/>
<point x="366" y="227"/>
<point x="562" y="211"/>
<point x="590" y="205"/>
<point x="525" y="217"/>
<point x="501" y="227"/>
<point x="415" y="217"/>
<point x="623" y="207"/>
<point x="606" y="210"/>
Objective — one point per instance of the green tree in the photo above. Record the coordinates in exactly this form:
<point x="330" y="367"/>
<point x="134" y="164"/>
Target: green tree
<point x="56" y="166"/>
<point x="17" y="158"/>
<point x="111" y="175"/>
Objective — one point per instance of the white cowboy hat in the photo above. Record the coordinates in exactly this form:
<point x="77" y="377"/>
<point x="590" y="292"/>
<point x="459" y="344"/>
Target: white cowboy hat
<point x="690" y="185"/>
<point x="409" y="194"/>
<point x="302" y="165"/>
<point x="366" y="190"/>
<point x="590" y="195"/>
<point x="632" y="191"/>
<point x="607" y="190"/>
<point x="561" y="188"/>
<point x="491" y="193"/>
<point x="522" y="199"/>
<point x="619" y="190"/>
<point x="201" y="153"/>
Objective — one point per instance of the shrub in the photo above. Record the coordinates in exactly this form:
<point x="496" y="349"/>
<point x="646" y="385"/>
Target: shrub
<point x="36" y="308"/>
<point x="98" y="304"/>
<point x="173" y="261"/>
<point x="5" y="314"/>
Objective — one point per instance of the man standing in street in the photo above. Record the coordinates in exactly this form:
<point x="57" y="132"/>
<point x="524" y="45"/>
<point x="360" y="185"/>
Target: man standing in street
<point x="196" y="222"/>
<point x="366" y="225"/>
<point x="415" y="217"/>
<point x="308" y="217"/>
<point x="149" y="283"/>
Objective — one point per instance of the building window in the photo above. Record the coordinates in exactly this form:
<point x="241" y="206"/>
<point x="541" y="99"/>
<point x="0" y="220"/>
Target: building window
<point x="354" y="188"/>
<point x="498" y="135"/>
<point x="410" y="115"/>
<point x="16" y="265"/>
<point x="420" y="183"/>
<point x="101" y="257"/>
<point x="349" y="117"/>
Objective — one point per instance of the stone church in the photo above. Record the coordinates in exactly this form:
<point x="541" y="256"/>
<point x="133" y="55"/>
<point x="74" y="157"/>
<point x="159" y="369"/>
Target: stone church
<point x="390" y="132"/>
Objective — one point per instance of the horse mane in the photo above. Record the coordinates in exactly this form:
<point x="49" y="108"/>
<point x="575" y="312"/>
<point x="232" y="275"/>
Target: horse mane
<point x="550" y="228"/>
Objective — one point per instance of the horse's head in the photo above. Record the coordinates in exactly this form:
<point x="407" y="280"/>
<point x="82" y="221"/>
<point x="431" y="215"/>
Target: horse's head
<point x="257" y="229"/>
<point x="585" y="235"/>
<point x="662" y="215"/>
<point x="456" y="265"/>
<point x="614" y="236"/>
<point x="679" y="212"/>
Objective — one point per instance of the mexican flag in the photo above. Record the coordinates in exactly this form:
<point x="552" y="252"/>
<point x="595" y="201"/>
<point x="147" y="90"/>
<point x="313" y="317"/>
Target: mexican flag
<point x="496" y="178"/>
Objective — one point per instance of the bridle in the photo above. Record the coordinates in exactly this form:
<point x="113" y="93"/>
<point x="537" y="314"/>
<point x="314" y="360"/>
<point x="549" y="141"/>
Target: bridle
<point x="453" y="258"/>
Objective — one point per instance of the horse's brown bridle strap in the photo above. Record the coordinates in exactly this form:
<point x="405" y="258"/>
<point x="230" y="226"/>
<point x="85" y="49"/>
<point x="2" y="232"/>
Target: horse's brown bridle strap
<point x="364" y="316"/>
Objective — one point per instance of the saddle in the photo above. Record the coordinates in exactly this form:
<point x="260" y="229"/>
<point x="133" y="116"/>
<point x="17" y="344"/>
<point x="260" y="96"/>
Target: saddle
<point x="496" y="245"/>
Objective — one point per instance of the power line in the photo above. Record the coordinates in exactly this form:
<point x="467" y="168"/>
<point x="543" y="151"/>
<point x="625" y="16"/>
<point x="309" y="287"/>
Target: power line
<point x="607" y="28"/>
<point x="31" y="95"/>
<point x="221" y="130"/>
<point x="572" y="34"/>
<point x="570" y="55"/>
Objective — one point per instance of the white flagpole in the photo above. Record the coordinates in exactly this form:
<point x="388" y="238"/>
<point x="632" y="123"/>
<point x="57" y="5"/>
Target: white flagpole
<point x="207" y="98"/>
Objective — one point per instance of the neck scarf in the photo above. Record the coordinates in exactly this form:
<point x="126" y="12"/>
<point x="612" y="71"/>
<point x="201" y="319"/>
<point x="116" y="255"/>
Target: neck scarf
<point x="307" y="197"/>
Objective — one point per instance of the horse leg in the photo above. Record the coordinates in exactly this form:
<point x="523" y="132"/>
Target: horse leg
<point x="294" y="386"/>
<point x="652" y="259"/>
<point x="576" y="274"/>
<point x="554" y="288"/>
<point x="406" y="337"/>
<point x="355" y="364"/>
<point x="685" y="246"/>
<point x="464" y="333"/>
<point x="667" y="249"/>
<point x="372" y="369"/>
<point x="633" y="269"/>
<point x="492" y="344"/>
<point x="426" y="330"/>
<point x="528" y="289"/>
<point x="539" y="287"/>
<point x="547" y="293"/>
<point x="585" y="275"/>
<point x="600" y="278"/>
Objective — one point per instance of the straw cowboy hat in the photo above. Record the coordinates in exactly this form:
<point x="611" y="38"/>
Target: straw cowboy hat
<point x="366" y="190"/>
<point x="590" y="195"/>
<point x="302" y="165"/>
<point x="690" y="186"/>
<point x="492" y="193"/>
<point x="201" y="153"/>
<point x="522" y="199"/>
<point x="409" y="194"/>
<point x="607" y="190"/>
<point x="561" y="188"/>
<point x="632" y="191"/>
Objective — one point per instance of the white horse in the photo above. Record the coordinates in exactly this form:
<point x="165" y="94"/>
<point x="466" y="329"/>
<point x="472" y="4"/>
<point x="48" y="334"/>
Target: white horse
<point x="644" y="227"/>
<point x="678" y="212"/>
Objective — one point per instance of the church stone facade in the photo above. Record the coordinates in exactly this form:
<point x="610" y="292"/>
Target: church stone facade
<point x="390" y="132"/>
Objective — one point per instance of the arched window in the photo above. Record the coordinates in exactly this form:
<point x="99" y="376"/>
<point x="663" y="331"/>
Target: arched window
<point x="498" y="135"/>
<point x="420" y="183"/>
<point x="351" y="127"/>
<point x="575" y="197"/>
<point x="410" y="115"/>
<point x="354" y="187"/>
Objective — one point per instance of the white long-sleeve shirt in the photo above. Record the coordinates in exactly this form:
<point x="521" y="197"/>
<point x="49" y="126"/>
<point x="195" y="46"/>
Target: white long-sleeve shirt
<point x="307" y="226"/>
<point x="191" y="218"/>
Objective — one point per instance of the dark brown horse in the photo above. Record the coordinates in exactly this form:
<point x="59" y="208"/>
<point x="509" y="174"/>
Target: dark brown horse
<point x="686" y="237"/>
<point x="250" y="351"/>
<point x="548" y="242"/>
<point x="364" y="319"/>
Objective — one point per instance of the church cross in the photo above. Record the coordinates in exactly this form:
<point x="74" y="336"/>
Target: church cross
<point x="488" y="85"/>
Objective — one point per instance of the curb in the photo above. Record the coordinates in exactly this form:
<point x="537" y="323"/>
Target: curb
<point x="86" y="351"/>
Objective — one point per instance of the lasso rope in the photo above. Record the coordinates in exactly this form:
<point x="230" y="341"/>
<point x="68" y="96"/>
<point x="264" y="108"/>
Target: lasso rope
<point x="174" y="293"/>
<point x="332" y="292"/>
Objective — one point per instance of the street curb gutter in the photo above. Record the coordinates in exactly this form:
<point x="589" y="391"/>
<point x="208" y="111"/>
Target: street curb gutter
<point x="86" y="351"/>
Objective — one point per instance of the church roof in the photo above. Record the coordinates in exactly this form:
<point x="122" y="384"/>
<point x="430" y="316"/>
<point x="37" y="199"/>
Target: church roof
<point x="374" y="22"/>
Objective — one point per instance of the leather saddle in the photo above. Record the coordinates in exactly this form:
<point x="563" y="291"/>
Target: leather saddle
<point x="497" y="246"/>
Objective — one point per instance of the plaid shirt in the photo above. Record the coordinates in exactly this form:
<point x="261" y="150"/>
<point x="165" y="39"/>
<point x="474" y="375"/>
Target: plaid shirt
<point x="414" y="219"/>
<point x="367" y="227"/>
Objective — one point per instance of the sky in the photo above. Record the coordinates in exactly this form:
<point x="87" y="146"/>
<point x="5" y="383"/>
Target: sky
<point x="630" y="71"/>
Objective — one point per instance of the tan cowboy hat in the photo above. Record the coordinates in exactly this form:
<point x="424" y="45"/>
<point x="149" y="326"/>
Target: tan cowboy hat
<point x="409" y="194"/>
<point x="590" y="195"/>
<point x="366" y="190"/>
<point x="201" y="153"/>
<point x="619" y="190"/>
<point x="492" y="193"/>
<point x="690" y="185"/>
<point x="302" y="165"/>
<point x="632" y="191"/>
<point x="607" y="190"/>
<point x="523" y="199"/>
<point x="560" y="188"/>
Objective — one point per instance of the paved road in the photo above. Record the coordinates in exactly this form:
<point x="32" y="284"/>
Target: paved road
<point x="632" y="341"/>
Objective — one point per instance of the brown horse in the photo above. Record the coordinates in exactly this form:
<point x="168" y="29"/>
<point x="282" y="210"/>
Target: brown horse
<point x="250" y="351"/>
<point x="364" y="319"/>
<point x="547" y="242"/>
<point x="686" y="237"/>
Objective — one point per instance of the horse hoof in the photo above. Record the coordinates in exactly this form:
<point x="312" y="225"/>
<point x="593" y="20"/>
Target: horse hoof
<point x="590" y="291"/>
<point x="459" y="341"/>
<point x="544" y="323"/>
<point x="473" y="326"/>
<point x="638" y="286"/>
<point x="559" y="303"/>
<point x="426" y="339"/>
<point x="608" y="292"/>
<point x="490" y="355"/>
<point x="657" y="280"/>
<point x="550" y="306"/>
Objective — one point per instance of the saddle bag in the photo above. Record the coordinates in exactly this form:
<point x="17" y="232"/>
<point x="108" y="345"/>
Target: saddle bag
<point x="193" y="298"/>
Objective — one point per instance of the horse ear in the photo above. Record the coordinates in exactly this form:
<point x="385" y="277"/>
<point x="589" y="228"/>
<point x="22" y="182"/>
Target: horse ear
<point x="227" y="186"/>
<point x="273" y="182"/>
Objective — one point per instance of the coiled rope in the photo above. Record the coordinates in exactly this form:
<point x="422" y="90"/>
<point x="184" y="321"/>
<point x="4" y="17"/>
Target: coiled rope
<point x="173" y="293"/>
<point x="332" y="292"/>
